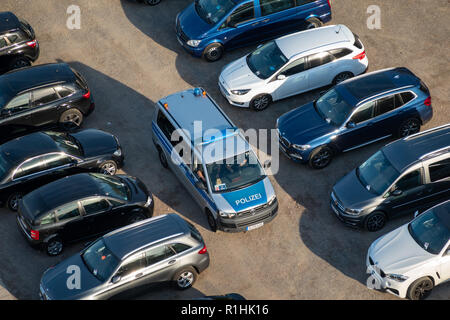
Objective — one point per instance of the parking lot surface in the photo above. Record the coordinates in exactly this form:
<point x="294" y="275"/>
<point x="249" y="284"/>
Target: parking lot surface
<point x="130" y="57"/>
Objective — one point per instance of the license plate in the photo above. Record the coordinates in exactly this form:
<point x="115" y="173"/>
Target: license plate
<point x="255" y="226"/>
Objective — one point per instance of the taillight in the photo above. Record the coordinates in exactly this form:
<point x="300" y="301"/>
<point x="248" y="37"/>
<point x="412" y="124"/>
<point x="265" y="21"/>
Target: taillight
<point x="427" y="101"/>
<point x="87" y="95"/>
<point x="203" y="250"/>
<point x="34" y="234"/>
<point x="31" y="44"/>
<point x="360" y="56"/>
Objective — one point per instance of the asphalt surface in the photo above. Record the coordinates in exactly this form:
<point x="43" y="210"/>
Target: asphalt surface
<point x="130" y="57"/>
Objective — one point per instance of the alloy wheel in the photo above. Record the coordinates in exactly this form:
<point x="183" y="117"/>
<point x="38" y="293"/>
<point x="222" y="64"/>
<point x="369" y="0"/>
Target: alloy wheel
<point x="109" y="168"/>
<point x="185" y="279"/>
<point x="423" y="289"/>
<point x="322" y="159"/>
<point x="261" y="103"/>
<point x="342" y="77"/>
<point x="14" y="201"/>
<point x="375" y="222"/>
<point x="410" y="127"/>
<point x="54" y="248"/>
<point x="20" y="64"/>
<point x="74" y="118"/>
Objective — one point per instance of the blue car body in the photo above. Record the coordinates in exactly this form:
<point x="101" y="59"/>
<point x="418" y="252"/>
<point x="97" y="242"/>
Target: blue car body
<point x="191" y="26"/>
<point x="308" y="128"/>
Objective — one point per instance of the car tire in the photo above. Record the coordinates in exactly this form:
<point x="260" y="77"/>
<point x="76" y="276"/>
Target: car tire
<point x="212" y="222"/>
<point x="136" y="217"/>
<point x="109" y="167"/>
<point x="320" y="157"/>
<point x="261" y="102"/>
<point x="185" y="278"/>
<point x="420" y="289"/>
<point x="152" y="2"/>
<point x="162" y="158"/>
<point x="54" y="247"/>
<point x="20" y="62"/>
<point x="13" y="201"/>
<point x="342" y="77"/>
<point x="375" y="221"/>
<point x="409" y="127"/>
<point x="72" y="115"/>
<point x="213" y="52"/>
<point x="313" y="23"/>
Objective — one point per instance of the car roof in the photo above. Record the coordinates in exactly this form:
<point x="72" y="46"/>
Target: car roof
<point x="371" y="84"/>
<point x="19" y="80"/>
<point x="8" y="21"/>
<point x="31" y="145"/>
<point x="62" y="191"/>
<point x="125" y="241"/>
<point x="296" y="43"/>
<point x="407" y="151"/>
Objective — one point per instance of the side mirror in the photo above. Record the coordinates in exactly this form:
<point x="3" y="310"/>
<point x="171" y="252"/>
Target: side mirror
<point x="5" y="112"/>
<point x="281" y="77"/>
<point x="200" y="185"/>
<point x="259" y="46"/>
<point x="397" y="192"/>
<point x="231" y="24"/>
<point x="267" y="164"/>
<point x="116" y="279"/>
<point x="416" y="214"/>
<point x="350" y="124"/>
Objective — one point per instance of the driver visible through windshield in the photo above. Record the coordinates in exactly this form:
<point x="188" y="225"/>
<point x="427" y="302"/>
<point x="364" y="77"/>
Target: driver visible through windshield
<point x="212" y="11"/>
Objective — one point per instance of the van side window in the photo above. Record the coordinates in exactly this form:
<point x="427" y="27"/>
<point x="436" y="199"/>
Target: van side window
<point x="407" y="96"/>
<point x="158" y="254"/>
<point x="439" y="170"/>
<point x="242" y="14"/>
<point x="166" y="127"/>
<point x="295" y="67"/>
<point x="197" y="169"/>
<point x="409" y="181"/>
<point x="49" y="218"/>
<point x="364" y="113"/>
<point x="274" y="6"/>
<point x="179" y="247"/>
<point x="318" y="59"/>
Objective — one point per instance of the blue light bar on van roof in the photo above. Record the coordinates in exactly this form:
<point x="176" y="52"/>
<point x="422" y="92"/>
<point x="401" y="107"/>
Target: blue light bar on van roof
<point x="225" y="133"/>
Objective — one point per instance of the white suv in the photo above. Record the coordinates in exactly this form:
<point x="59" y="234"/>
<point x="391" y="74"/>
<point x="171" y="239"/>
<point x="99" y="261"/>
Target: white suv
<point x="293" y="64"/>
<point x="414" y="258"/>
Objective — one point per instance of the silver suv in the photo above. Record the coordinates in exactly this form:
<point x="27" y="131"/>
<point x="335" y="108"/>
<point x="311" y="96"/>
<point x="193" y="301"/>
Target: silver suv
<point x="162" y="249"/>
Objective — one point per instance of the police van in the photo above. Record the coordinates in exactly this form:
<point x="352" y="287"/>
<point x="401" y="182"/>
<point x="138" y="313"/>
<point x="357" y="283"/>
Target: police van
<point x="213" y="160"/>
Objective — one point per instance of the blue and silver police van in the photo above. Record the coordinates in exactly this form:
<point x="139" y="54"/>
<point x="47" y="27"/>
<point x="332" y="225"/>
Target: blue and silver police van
<point x="213" y="160"/>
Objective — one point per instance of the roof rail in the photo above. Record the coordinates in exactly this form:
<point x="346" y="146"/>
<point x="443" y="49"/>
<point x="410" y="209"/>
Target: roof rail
<point x="135" y="224"/>
<point x="435" y="153"/>
<point x="427" y="131"/>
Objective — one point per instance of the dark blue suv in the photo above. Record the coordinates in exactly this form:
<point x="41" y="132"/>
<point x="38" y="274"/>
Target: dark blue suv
<point x="354" y="113"/>
<point x="208" y="27"/>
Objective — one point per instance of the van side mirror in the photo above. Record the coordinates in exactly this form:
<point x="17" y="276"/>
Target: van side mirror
<point x="350" y="124"/>
<point x="116" y="279"/>
<point x="397" y="192"/>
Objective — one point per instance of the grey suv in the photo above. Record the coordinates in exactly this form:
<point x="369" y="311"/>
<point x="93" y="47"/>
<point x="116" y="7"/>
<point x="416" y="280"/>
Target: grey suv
<point x="162" y="249"/>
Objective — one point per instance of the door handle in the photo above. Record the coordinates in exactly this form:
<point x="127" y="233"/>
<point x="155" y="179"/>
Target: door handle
<point x="255" y="24"/>
<point x="265" y="20"/>
<point x="171" y="261"/>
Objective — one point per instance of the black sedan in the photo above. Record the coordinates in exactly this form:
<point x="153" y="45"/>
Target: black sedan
<point x="31" y="161"/>
<point x="80" y="207"/>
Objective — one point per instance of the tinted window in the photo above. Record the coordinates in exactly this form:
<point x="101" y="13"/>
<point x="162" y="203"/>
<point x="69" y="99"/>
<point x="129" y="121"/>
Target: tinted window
<point x="358" y="42"/>
<point x="44" y="96"/>
<point x="242" y="14"/>
<point x="387" y="104"/>
<point x="134" y="264"/>
<point x="95" y="205"/>
<point x="409" y="181"/>
<point x="407" y="96"/>
<point x="212" y="11"/>
<point x="319" y="59"/>
<point x="56" y="160"/>
<point x="63" y="91"/>
<point x="49" y="218"/>
<point x="180" y="247"/>
<point x="273" y="6"/>
<point x="17" y="37"/>
<point x="295" y="67"/>
<point x="99" y="260"/>
<point x="166" y="127"/>
<point x="339" y="53"/>
<point x="31" y="166"/>
<point x="439" y="170"/>
<point x="364" y="113"/>
<point x="115" y="203"/>
<point x="2" y="42"/>
<point x="67" y="211"/>
<point x="158" y="254"/>
<point x="19" y="103"/>
<point x="302" y="2"/>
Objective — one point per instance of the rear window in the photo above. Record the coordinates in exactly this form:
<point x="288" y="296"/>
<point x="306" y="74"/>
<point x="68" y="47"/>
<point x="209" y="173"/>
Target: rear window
<point x="339" y="53"/>
<point x="424" y="88"/>
<point x="194" y="232"/>
<point x="80" y="80"/>
<point x="358" y="42"/>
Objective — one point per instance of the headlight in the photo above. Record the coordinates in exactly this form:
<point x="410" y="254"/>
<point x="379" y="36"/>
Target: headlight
<point x="272" y="200"/>
<point x="354" y="212"/>
<point x="227" y="214"/>
<point x="193" y="43"/>
<point x="149" y="202"/>
<point x="301" y="147"/>
<point x="118" y="152"/>
<point x="240" y="92"/>
<point x="397" y="277"/>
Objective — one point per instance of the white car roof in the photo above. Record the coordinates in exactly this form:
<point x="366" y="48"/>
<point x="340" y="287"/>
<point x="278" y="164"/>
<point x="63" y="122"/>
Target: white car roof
<point x="302" y="41"/>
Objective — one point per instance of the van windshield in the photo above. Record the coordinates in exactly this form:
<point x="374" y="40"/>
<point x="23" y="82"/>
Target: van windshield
<point x="212" y="11"/>
<point x="235" y="172"/>
<point x="266" y="60"/>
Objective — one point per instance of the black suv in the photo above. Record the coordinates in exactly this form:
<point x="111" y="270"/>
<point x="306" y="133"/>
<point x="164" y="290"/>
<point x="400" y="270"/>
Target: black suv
<point x="18" y="44"/>
<point x="31" y="161"/>
<point x="62" y="212"/>
<point x="43" y="95"/>
<point x="406" y="176"/>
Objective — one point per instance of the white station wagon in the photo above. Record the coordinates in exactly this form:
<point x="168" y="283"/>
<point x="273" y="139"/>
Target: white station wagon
<point x="293" y="64"/>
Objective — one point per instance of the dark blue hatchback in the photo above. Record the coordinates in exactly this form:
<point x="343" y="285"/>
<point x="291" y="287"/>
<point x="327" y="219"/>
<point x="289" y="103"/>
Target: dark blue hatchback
<point x="208" y="27"/>
<point x="354" y="113"/>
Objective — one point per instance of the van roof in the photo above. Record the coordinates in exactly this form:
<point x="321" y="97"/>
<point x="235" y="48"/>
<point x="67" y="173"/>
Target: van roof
<point x="124" y="241"/>
<point x="296" y="43"/>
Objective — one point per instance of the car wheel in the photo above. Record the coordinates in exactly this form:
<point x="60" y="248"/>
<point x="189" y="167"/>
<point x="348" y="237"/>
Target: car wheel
<point x="260" y="102"/>
<point x="212" y="222"/>
<point x="162" y="158"/>
<point x="342" y="77"/>
<point x="420" y="289"/>
<point x="313" y="23"/>
<point x="136" y="218"/>
<point x="20" y="63"/>
<point x="375" y="221"/>
<point x="320" y="157"/>
<point x="108" y="167"/>
<point x="409" y="127"/>
<point x="54" y="247"/>
<point x="152" y="2"/>
<point x="185" y="278"/>
<point x="72" y="115"/>
<point x="213" y="52"/>
<point x="13" y="201"/>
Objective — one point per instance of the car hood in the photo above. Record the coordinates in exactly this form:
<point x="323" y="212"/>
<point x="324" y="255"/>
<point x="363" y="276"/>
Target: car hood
<point x="351" y="193"/>
<point x="192" y="24"/>
<point x="237" y="75"/>
<point x="303" y="124"/>
<point x="96" y="142"/>
<point x="54" y="280"/>
<point x="397" y="252"/>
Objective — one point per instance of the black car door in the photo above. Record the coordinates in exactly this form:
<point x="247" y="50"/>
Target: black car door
<point x="438" y="187"/>
<point x="120" y="213"/>
<point x="71" y="224"/>
<point x="96" y="212"/>
<point x="45" y="102"/>
<point x="16" y="117"/>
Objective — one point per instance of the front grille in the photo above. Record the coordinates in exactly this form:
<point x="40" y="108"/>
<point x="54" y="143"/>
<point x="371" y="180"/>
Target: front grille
<point x="382" y="274"/>
<point x="223" y="88"/>
<point x="253" y="211"/>
<point x="181" y="34"/>
<point x="254" y="221"/>
<point x="285" y="142"/>
<point x="337" y="202"/>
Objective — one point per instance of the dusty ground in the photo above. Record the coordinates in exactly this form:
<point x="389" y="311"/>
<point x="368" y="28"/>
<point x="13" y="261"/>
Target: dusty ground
<point x="130" y="56"/>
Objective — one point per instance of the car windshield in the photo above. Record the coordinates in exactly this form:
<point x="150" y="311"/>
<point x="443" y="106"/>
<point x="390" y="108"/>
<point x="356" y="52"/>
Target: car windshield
<point x="333" y="108"/>
<point x="377" y="173"/>
<point x="66" y="143"/>
<point x="112" y="186"/>
<point x="212" y="11"/>
<point x="428" y="230"/>
<point x="266" y="60"/>
<point x="99" y="260"/>
<point x="235" y="173"/>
